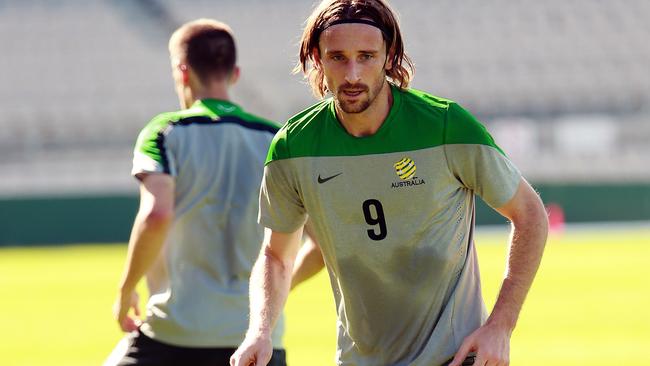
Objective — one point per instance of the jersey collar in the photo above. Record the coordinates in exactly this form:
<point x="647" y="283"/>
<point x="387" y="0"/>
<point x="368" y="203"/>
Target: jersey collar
<point x="218" y="106"/>
<point x="397" y="102"/>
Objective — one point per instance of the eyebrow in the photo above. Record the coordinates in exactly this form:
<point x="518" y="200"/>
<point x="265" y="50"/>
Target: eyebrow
<point x="332" y="52"/>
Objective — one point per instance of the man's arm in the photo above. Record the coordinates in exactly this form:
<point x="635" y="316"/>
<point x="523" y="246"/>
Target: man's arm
<point x="156" y="276"/>
<point x="309" y="261"/>
<point x="269" y="289"/>
<point x="491" y="342"/>
<point x="152" y="222"/>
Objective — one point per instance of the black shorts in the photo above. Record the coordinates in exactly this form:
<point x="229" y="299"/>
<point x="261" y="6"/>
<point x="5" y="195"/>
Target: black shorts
<point x="144" y="351"/>
<point x="469" y="361"/>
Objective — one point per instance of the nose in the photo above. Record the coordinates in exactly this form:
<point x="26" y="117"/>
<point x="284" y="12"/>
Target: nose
<point x="352" y="72"/>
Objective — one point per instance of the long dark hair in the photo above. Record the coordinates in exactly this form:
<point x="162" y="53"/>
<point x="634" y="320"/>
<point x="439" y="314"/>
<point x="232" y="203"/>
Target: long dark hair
<point x="376" y="11"/>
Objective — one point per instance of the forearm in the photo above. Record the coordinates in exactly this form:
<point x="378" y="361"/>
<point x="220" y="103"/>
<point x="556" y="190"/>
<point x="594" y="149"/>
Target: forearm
<point x="308" y="263"/>
<point x="156" y="276"/>
<point x="526" y="247"/>
<point x="147" y="238"/>
<point x="269" y="289"/>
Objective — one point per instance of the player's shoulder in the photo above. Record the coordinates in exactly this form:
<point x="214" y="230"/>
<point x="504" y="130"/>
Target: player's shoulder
<point x="163" y="123"/>
<point x="164" y="119"/>
<point x="255" y="122"/>
<point x="157" y="125"/>
<point x="421" y="109"/>
<point x="225" y="111"/>
<point x="300" y="130"/>
<point x="421" y="99"/>
<point x="308" y="116"/>
<point x="460" y="125"/>
<point x="200" y="115"/>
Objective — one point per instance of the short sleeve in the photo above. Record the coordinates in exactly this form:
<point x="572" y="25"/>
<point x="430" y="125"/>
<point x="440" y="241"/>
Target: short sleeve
<point x="476" y="161"/>
<point x="281" y="207"/>
<point x="151" y="153"/>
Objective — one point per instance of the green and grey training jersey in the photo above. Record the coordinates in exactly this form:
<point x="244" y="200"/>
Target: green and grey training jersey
<point x="394" y="216"/>
<point x="215" y="151"/>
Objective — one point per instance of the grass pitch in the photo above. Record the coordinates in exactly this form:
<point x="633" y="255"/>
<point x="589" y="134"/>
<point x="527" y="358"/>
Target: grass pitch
<point x="588" y="306"/>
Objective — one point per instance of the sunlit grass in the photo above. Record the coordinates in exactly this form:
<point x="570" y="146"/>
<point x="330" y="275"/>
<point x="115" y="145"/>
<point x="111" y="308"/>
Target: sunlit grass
<point x="588" y="306"/>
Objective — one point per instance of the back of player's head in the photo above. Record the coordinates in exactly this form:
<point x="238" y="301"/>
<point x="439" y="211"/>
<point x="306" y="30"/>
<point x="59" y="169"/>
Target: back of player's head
<point x="376" y="12"/>
<point x="207" y="46"/>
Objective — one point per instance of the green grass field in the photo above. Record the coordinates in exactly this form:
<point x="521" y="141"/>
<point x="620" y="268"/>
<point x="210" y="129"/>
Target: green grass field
<point x="588" y="306"/>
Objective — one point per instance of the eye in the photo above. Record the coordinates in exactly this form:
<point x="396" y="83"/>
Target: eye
<point x="366" y="56"/>
<point x="337" y="57"/>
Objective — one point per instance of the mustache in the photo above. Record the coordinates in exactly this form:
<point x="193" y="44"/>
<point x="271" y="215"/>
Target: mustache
<point x="354" y="87"/>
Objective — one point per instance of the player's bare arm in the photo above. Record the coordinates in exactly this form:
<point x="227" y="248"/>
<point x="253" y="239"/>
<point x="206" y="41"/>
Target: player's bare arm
<point x="157" y="276"/>
<point x="148" y="235"/>
<point x="309" y="260"/>
<point x="308" y="263"/>
<point x="491" y="342"/>
<point x="269" y="288"/>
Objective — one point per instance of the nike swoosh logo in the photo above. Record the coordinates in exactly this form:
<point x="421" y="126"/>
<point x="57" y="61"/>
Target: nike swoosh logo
<point x="323" y="180"/>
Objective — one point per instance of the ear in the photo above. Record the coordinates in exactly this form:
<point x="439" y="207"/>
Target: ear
<point x="315" y="54"/>
<point x="185" y="73"/>
<point x="389" y="60"/>
<point x="234" y="75"/>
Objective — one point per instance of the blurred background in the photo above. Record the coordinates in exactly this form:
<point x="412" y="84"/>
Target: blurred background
<point x="564" y="87"/>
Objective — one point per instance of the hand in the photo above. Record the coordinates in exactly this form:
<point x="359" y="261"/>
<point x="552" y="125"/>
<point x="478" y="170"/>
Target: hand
<point x="124" y="302"/>
<point x="491" y="345"/>
<point x="254" y="351"/>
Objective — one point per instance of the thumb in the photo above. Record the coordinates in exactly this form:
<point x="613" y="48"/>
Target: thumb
<point x="463" y="351"/>
<point x="241" y="359"/>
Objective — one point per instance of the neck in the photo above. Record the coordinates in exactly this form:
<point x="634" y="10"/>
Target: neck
<point x="367" y="123"/>
<point x="216" y="90"/>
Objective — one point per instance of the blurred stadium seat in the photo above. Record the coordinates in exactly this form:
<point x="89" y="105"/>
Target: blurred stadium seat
<point x="80" y="79"/>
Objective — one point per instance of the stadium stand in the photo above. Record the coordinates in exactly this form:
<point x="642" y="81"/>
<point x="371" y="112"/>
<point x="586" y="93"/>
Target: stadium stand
<point x="563" y="85"/>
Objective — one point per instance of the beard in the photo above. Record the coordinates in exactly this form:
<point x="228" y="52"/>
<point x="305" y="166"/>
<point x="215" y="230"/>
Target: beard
<point x="367" y="96"/>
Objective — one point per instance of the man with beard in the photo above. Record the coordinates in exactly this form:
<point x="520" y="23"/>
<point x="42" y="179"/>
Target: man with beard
<point x="387" y="175"/>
